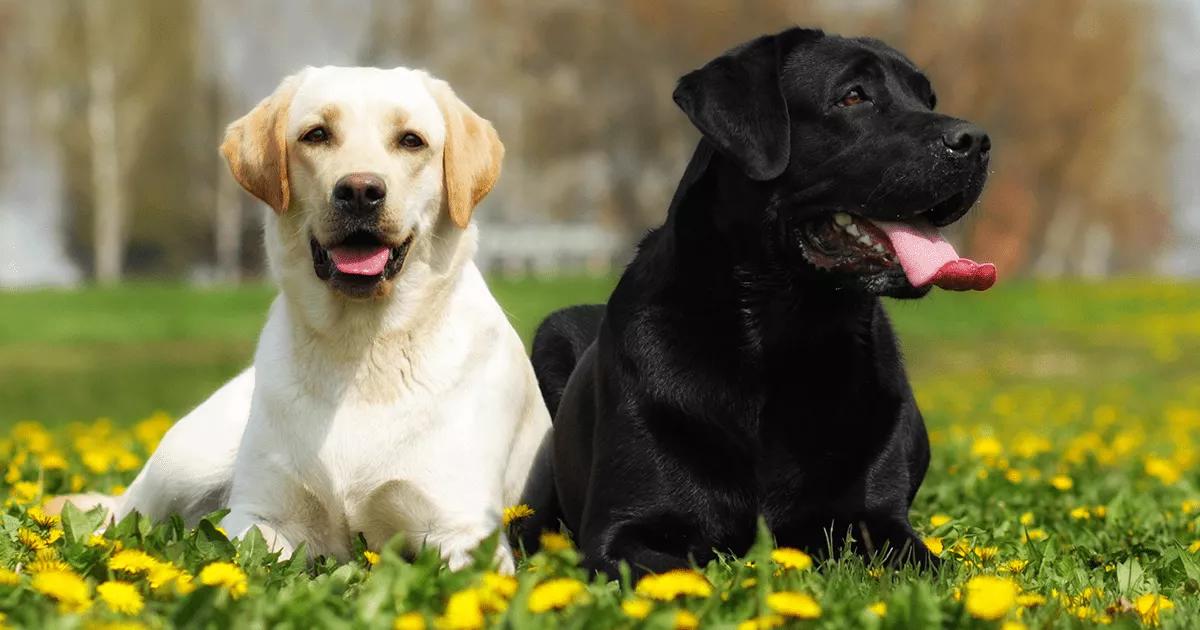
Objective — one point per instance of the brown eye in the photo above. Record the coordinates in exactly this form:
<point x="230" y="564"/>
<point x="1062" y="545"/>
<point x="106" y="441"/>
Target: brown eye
<point x="854" y="97"/>
<point x="316" y="135"/>
<point x="411" y="141"/>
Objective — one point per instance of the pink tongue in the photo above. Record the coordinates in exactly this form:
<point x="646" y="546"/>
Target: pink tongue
<point x="360" y="261"/>
<point x="928" y="259"/>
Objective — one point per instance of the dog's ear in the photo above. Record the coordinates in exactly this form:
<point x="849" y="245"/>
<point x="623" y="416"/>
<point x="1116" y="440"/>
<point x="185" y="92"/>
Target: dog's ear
<point x="255" y="147"/>
<point x="736" y="102"/>
<point x="471" y="157"/>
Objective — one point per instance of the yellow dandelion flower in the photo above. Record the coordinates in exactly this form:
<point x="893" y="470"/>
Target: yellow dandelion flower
<point x="1149" y="606"/>
<point x="685" y="620"/>
<point x="121" y="597"/>
<point x="1100" y="511"/>
<point x="790" y="558"/>
<point x="794" y="604"/>
<point x="554" y="542"/>
<point x="766" y="622"/>
<point x="514" y="513"/>
<point x="1062" y="483"/>
<point x="990" y="597"/>
<point x="1013" y="625"/>
<point x="39" y="516"/>
<point x="986" y="448"/>
<point x="986" y="554"/>
<point x="875" y="572"/>
<point x="1187" y="506"/>
<point x="879" y="609"/>
<point x="1014" y="566"/>
<point x="409" y="621"/>
<point x="672" y="584"/>
<point x="133" y="561"/>
<point x="97" y="462"/>
<point x="497" y="589"/>
<point x="225" y="575"/>
<point x="937" y="520"/>
<point x="52" y="461"/>
<point x="463" y="612"/>
<point x="1162" y="469"/>
<point x="97" y="541"/>
<point x="1036" y="534"/>
<point x="47" y="560"/>
<point x="1026" y="518"/>
<point x="1013" y="475"/>
<point x="637" y="607"/>
<point x="935" y="544"/>
<point x="164" y="574"/>
<point x="555" y="594"/>
<point x="24" y="492"/>
<point x="1194" y="547"/>
<point x="1080" y="513"/>
<point x="68" y="589"/>
<point x="31" y="539"/>
<point x="1030" y="600"/>
<point x="371" y="557"/>
<point x="8" y="577"/>
<point x="149" y="432"/>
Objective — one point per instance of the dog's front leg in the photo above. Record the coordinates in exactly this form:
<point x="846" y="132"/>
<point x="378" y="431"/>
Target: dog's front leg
<point x="239" y="522"/>
<point x="457" y="543"/>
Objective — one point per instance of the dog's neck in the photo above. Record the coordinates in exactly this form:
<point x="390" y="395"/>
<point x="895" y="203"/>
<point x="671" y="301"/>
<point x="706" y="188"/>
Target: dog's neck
<point x="714" y="240"/>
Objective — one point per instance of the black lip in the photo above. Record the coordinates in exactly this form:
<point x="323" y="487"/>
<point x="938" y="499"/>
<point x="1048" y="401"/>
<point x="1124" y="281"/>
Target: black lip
<point x="356" y="285"/>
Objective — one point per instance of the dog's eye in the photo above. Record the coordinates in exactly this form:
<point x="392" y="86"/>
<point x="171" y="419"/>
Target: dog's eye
<point x="316" y="135"/>
<point x="411" y="141"/>
<point x="854" y="97"/>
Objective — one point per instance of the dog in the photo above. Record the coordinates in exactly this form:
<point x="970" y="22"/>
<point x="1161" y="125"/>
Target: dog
<point x="389" y="393"/>
<point x="743" y="366"/>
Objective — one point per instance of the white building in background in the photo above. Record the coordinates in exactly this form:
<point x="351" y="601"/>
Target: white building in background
<point x="547" y="248"/>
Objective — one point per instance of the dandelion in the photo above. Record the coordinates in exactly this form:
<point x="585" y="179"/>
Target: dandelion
<point x="986" y="554"/>
<point x="463" y="612"/>
<point x="409" y="621"/>
<point x="1194" y="547"/>
<point x="39" y="516"/>
<point x="989" y="597"/>
<point x="514" y="513"/>
<point x="879" y="609"/>
<point x="986" y="448"/>
<point x="1062" y="483"/>
<point x="934" y="544"/>
<point x="8" y="577"/>
<point x="1081" y="514"/>
<point x="164" y="574"/>
<point x="937" y="520"/>
<point x="133" y="561"/>
<point x="1162" y="469"/>
<point x="1036" y="534"/>
<point x="24" y="492"/>
<point x="637" y="608"/>
<point x="65" y="587"/>
<point x="31" y="539"/>
<point x="1030" y="600"/>
<point x="121" y="597"/>
<point x="790" y="558"/>
<point x="1026" y="518"/>
<point x="1014" y="566"/>
<point x="555" y="594"/>
<point x="371" y="558"/>
<point x="1150" y="605"/>
<point x="554" y="542"/>
<point x="225" y="575"/>
<point x="793" y="604"/>
<point x="496" y="590"/>
<point x="47" y="560"/>
<point x="1013" y="625"/>
<point x="672" y="584"/>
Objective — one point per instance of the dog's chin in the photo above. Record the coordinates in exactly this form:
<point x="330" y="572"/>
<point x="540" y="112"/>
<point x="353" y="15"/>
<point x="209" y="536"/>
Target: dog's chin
<point x="365" y="279"/>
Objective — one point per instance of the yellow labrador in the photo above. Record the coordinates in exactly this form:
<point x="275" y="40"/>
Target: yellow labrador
<point x="389" y="393"/>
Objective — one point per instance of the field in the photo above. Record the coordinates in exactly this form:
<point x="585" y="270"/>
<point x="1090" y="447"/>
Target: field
<point x="1063" y="491"/>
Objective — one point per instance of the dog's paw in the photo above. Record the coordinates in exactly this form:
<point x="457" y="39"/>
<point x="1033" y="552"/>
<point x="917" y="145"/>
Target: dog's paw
<point x="83" y="502"/>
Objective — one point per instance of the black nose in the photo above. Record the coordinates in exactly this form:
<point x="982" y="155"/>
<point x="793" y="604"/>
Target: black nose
<point x="359" y="193"/>
<point x="967" y="140"/>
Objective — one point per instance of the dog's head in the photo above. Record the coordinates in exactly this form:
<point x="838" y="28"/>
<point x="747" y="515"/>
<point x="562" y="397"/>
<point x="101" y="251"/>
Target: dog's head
<point x="363" y="167"/>
<point x="857" y="169"/>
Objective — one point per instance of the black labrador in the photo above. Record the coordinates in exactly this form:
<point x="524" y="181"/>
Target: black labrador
<point x="744" y="365"/>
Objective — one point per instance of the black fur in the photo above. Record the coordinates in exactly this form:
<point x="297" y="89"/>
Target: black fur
<point x="729" y="377"/>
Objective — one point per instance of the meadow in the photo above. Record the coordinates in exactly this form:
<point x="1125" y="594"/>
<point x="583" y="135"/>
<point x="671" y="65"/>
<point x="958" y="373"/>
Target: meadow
<point x="1063" y="490"/>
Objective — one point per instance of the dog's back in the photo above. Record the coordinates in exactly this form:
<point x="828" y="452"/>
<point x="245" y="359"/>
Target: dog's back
<point x="560" y="340"/>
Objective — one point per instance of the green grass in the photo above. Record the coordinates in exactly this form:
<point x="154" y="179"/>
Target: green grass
<point x="1064" y="418"/>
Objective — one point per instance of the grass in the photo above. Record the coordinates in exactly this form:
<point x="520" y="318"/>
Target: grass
<point x="1063" y="489"/>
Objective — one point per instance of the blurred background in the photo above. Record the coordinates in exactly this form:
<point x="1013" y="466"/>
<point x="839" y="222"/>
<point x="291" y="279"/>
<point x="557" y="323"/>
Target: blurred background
<point x="112" y="110"/>
<point x="131" y="264"/>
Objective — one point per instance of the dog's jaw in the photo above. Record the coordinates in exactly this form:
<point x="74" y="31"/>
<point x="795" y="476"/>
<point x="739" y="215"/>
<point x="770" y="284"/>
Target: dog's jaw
<point x="359" y="286"/>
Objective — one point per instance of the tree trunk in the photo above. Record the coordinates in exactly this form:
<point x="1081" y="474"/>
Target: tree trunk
<point x="107" y="196"/>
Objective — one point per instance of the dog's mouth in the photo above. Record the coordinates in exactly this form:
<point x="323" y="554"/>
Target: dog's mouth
<point x="854" y="244"/>
<point x="359" y="264"/>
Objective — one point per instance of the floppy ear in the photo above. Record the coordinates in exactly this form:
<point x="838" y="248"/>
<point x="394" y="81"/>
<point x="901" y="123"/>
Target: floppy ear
<point x="256" y="148"/>
<point x="472" y="154"/>
<point x="736" y="102"/>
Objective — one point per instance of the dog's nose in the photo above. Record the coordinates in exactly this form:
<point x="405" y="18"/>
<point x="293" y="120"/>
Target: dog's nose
<point x="967" y="140"/>
<point x="359" y="193"/>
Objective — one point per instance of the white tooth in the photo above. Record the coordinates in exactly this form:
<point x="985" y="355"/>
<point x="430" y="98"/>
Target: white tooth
<point x="865" y="240"/>
<point x="842" y="219"/>
<point x="879" y="248"/>
<point x="852" y="230"/>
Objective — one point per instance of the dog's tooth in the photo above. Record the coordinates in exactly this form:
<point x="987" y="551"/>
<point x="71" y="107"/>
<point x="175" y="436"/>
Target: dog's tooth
<point x="879" y="248"/>
<point x="842" y="219"/>
<point x="852" y="230"/>
<point x="865" y="240"/>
